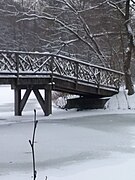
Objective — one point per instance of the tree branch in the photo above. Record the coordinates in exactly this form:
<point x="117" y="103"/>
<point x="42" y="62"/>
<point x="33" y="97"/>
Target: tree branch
<point x="30" y="17"/>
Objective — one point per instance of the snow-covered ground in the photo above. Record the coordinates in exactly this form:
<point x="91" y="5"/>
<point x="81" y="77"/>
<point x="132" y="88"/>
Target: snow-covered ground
<point x="90" y="144"/>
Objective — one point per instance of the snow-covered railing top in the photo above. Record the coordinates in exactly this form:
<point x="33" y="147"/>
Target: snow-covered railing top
<point x="37" y="64"/>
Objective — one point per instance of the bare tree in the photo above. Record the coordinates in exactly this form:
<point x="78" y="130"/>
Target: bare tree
<point x="126" y="10"/>
<point x="129" y="50"/>
<point x="69" y="26"/>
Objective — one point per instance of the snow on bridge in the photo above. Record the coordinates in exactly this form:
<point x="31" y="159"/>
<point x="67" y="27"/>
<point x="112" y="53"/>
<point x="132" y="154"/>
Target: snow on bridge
<point x="34" y="71"/>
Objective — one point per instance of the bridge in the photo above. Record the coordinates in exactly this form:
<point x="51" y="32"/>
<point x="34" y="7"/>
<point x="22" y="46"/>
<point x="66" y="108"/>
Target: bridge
<point x="33" y="71"/>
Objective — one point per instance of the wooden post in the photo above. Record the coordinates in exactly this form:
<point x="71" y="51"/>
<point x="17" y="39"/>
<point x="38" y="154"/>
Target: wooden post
<point x="40" y="99"/>
<point x="24" y="99"/>
<point x="48" y="101"/>
<point x="17" y="97"/>
<point x="20" y="102"/>
<point x="45" y="103"/>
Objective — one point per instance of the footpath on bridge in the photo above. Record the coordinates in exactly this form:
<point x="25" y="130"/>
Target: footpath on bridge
<point x="33" y="71"/>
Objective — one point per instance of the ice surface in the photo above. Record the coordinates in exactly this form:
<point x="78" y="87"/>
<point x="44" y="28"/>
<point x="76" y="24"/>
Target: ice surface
<point x="92" y="144"/>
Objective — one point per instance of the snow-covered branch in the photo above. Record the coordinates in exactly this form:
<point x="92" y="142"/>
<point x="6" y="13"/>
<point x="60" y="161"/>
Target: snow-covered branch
<point x="86" y="28"/>
<point x="114" y="5"/>
<point x="95" y="49"/>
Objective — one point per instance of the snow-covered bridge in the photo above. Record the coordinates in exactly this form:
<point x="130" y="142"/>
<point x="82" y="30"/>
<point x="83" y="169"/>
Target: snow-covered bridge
<point x="35" y="71"/>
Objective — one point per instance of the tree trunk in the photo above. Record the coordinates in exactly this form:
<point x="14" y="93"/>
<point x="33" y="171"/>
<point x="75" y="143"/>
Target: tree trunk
<point x="127" y="63"/>
<point x="128" y="79"/>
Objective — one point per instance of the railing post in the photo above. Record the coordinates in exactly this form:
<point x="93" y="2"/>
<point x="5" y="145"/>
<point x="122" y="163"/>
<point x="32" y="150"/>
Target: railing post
<point x="77" y="65"/>
<point x="76" y="73"/>
<point x="17" y="65"/>
<point x="51" y="69"/>
<point x="98" y="81"/>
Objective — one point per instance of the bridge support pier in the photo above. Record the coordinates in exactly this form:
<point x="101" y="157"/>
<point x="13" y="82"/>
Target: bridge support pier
<point x="17" y="99"/>
<point x="48" y="102"/>
<point x="86" y="103"/>
<point x="20" y="102"/>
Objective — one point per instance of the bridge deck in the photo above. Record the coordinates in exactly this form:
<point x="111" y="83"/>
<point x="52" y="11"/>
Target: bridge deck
<point x="59" y="84"/>
<point x="34" y="71"/>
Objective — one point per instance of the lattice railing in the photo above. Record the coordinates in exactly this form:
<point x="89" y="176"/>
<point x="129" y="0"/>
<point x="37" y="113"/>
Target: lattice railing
<point x="24" y="63"/>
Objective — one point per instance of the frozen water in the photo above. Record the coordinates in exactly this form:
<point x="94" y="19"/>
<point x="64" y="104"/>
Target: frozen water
<point x="96" y="144"/>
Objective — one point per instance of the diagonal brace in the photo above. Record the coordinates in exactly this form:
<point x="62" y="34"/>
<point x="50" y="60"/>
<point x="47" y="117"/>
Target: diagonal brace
<point x="24" y="99"/>
<point x="40" y="99"/>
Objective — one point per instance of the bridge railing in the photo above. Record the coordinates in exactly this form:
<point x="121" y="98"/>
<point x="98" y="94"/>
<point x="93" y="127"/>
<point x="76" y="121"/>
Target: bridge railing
<point x="14" y="63"/>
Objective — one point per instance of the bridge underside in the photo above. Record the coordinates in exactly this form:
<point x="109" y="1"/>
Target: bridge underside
<point x="48" y="84"/>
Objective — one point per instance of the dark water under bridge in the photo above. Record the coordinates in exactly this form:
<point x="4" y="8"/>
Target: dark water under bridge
<point x="33" y="71"/>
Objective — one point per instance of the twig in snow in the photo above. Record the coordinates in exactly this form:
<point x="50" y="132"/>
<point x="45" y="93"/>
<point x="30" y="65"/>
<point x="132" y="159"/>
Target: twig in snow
<point x="32" y="147"/>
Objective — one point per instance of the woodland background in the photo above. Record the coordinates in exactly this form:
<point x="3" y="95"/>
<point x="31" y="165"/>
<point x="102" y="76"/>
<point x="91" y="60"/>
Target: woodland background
<point x="100" y="32"/>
